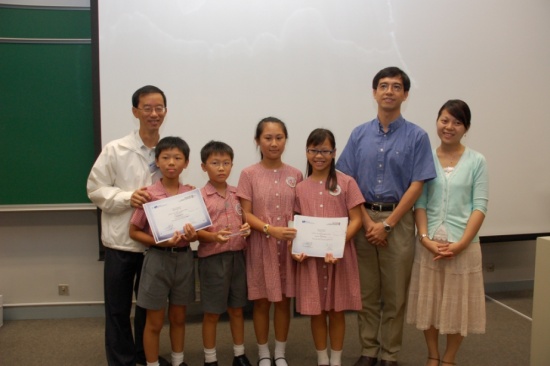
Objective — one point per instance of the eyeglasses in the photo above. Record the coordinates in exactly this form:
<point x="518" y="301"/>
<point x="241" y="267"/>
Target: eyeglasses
<point x="217" y="164"/>
<point x="314" y="152"/>
<point x="385" y="86"/>
<point x="148" y="109"/>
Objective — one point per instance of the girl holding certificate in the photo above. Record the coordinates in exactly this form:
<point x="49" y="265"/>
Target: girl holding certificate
<point x="326" y="287"/>
<point x="267" y="192"/>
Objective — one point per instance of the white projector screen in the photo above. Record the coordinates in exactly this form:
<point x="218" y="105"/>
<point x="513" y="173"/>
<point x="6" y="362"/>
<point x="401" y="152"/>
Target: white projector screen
<point x="224" y="65"/>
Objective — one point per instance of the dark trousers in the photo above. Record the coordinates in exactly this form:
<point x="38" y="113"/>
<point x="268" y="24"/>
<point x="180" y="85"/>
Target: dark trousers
<point x="121" y="279"/>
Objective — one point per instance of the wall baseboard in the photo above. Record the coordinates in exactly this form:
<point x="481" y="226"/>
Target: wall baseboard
<point x="98" y="310"/>
<point x="509" y="286"/>
<point x="69" y="311"/>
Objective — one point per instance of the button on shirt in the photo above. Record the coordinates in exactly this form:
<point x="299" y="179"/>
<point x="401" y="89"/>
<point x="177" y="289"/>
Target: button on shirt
<point x="225" y="212"/>
<point x="451" y="200"/>
<point x="384" y="164"/>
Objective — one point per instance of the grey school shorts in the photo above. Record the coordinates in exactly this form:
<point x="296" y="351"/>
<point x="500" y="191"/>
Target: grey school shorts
<point x="222" y="282"/>
<point x="166" y="275"/>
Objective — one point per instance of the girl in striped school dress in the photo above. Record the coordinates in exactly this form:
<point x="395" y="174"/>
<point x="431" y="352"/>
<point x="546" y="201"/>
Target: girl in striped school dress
<point x="326" y="287"/>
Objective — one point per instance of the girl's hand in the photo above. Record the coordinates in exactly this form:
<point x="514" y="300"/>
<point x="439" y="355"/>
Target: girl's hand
<point x="245" y="230"/>
<point x="443" y="251"/>
<point x="329" y="258"/>
<point x="299" y="257"/>
<point x="431" y="245"/>
<point x="189" y="233"/>
<point x="282" y="232"/>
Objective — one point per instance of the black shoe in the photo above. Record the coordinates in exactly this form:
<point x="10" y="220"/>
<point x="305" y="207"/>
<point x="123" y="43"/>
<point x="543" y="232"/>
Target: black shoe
<point x="366" y="361"/>
<point x="184" y="364"/>
<point x="241" y="360"/>
<point x="162" y="362"/>
<point x="215" y="363"/>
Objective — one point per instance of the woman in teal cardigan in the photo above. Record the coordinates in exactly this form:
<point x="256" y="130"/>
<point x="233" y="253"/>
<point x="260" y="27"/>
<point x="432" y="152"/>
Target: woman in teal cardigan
<point x="446" y="294"/>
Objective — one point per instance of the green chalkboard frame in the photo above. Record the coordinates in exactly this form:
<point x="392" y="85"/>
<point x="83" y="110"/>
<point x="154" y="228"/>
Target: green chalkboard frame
<point x="47" y="127"/>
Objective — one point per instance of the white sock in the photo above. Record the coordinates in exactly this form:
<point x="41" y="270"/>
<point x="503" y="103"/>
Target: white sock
<point x="210" y="355"/>
<point x="280" y="349"/>
<point x="238" y="350"/>
<point x="264" y="355"/>
<point x="335" y="357"/>
<point x="322" y="357"/>
<point x="156" y="363"/>
<point x="177" y="358"/>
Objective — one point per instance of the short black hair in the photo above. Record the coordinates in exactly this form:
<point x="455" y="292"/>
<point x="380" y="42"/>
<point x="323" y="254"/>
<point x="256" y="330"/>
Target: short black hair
<point x="215" y="147"/>
<point x="144" y="90"/>
<point x="459" y="110"/>
<point x="172" y="142"/>
<point x="390" y="72"/>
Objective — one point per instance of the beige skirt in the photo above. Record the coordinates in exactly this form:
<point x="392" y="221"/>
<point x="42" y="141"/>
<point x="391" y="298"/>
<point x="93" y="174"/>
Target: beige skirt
<point x="447" y="294"/>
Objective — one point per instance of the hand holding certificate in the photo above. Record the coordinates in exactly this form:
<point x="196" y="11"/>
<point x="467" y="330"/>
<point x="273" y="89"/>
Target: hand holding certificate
<point x="170" y="214"/>
<point x="317" y="236"/>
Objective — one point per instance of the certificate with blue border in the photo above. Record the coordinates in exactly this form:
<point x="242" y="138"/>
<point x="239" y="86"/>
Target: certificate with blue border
<point x="317" y="236"/>
<point x="169" y="215"/>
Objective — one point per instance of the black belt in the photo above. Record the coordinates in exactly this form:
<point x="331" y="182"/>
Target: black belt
<point x="380" y="206"/>
<point x="171" y="249"/>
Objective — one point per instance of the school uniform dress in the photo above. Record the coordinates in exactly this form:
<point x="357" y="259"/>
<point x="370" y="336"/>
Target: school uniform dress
<point x="269" y="266"/>
<point x="448" y="293"/>
<point x="322" y="286"/>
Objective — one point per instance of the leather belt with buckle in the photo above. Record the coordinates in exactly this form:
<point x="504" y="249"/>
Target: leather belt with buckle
<point x="380" y="207"/>
<point x="171" y="249"/>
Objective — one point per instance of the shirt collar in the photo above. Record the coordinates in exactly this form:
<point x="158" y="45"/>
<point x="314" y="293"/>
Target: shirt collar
<point x="210" y="189"/>
<point x="148" y="150"/>
<point x="394" y="125"/>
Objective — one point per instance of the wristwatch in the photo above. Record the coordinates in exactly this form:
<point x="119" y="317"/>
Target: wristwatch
<point x="266" y="230"/>
<point x="387" y="227"/>
<point x="422" y="236"/>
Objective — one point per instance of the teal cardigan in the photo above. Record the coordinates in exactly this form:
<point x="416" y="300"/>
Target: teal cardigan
<point x="451" y="201"/>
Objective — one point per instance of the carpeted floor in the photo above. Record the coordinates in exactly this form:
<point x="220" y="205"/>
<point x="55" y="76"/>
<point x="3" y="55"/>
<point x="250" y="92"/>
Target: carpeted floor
<point x="80" y="341"/>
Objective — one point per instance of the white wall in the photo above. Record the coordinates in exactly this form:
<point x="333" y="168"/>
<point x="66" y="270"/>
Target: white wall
<point x="224" y="65"/>
<point x="514" y="265"/>
<point x="38" y="251"/>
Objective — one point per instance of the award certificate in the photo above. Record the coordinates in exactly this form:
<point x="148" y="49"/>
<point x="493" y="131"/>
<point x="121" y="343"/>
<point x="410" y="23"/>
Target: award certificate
<point x="317" y="236"/>
<point x="167" y="215"/>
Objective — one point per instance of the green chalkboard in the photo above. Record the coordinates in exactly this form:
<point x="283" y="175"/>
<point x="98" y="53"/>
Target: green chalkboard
<point x="46" y="121"/>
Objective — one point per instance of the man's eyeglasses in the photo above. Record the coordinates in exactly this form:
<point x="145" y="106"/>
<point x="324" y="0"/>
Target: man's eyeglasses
<point x="314" y="152"/>
<point x="385" y="86"/>
<point x="149" y="110"/>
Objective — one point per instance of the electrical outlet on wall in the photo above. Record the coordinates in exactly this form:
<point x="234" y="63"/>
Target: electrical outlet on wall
<point x="63" y="290"/>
